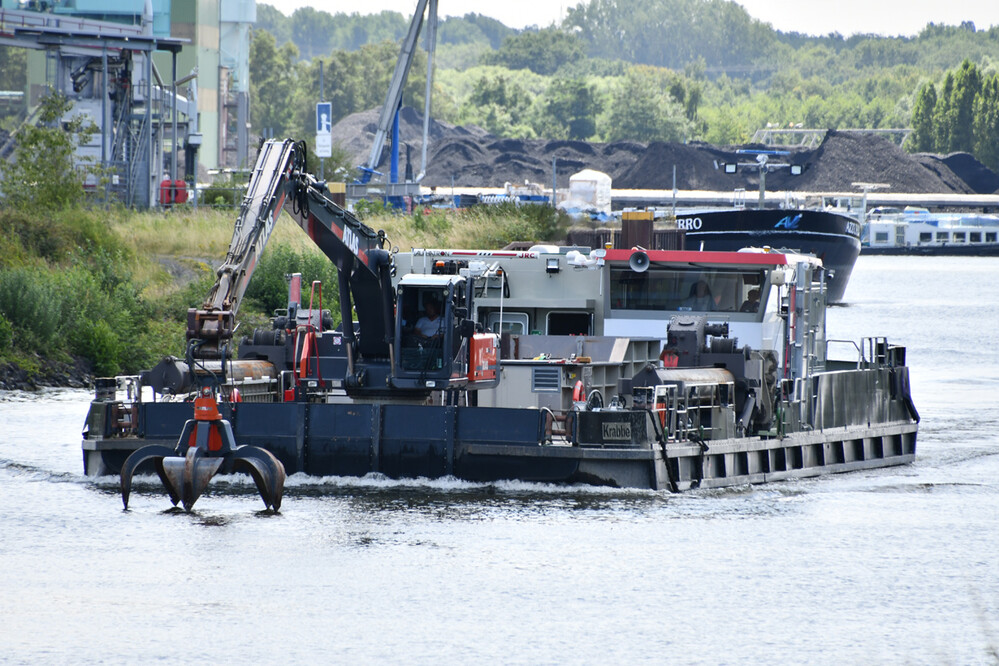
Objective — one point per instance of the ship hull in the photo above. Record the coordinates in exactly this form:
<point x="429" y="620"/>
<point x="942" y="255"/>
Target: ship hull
<point x="494" y="444"/>
<point x="833" y="238"/>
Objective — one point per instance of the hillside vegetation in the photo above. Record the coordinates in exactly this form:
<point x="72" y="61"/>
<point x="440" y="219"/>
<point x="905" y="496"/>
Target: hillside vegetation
<point x="646" y="70"/>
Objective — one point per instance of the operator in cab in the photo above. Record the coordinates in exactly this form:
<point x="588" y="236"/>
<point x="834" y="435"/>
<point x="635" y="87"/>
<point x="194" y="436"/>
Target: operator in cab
<point x="430" y="324"/>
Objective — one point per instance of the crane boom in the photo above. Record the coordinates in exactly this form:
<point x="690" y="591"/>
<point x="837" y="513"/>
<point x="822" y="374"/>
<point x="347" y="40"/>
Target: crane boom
<point x="279" y="176"/>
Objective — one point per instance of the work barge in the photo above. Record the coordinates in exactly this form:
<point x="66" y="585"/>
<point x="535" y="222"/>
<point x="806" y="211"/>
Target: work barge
<point x="665" y="370"/>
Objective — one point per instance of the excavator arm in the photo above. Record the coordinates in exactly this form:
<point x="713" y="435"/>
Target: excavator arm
<point x="279" y="177"/>
<point x="207" y="445"/>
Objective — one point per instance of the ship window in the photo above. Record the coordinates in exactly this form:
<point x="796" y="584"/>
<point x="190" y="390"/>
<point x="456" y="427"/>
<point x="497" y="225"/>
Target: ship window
<point x="513" y="322"/>
<point x="881" y="237"/>
<point x="990" y="237"/>
<point x="959" y="236"/>
<point x="672" y="289"/>
<point x="925" y="237"/>
<point x="943" y="236"/>
<point x="570" y="323"/>
<point x="975" y="237"/>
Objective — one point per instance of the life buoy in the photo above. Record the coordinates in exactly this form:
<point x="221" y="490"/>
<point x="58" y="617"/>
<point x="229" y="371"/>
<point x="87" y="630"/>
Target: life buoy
<point x="578" y="393"/>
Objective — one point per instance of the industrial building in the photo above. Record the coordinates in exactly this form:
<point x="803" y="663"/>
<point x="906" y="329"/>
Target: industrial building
<point x="159" y="79"/>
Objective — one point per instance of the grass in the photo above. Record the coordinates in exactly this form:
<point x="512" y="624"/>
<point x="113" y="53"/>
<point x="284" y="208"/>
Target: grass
<point x="113" y="286"/>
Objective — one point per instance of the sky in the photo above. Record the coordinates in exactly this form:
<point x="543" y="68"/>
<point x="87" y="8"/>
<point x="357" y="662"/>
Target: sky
<point x="816" y="17"/>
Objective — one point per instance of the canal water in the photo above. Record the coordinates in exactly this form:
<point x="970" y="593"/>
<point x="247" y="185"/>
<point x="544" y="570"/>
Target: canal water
<point x="884" y="566"/>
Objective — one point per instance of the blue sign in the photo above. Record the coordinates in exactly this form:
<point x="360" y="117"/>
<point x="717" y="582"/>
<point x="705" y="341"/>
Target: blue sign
<point x="324" y="117"/>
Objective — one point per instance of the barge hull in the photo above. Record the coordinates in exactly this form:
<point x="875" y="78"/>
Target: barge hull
<point x="494" y="444"/>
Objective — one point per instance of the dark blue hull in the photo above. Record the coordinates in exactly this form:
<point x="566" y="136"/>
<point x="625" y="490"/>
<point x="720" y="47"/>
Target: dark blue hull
<point x="833" y="238"/>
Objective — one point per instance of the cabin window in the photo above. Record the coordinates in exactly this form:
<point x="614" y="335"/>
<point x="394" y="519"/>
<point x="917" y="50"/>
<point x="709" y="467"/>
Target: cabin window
<point x="706" y="289"/>
<point x="925" y="237"/>
<point x="959" y="236"/>
<point x="881" y="237"/>
<point x="513" y="322"/>
<point x="943" y="236"/>
<point x="975" y="237"/>
<point x="990" y="237"/>
<point x="570" y="323"/>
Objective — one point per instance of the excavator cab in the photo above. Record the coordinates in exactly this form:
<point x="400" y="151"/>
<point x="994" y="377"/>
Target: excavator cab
<point x="432" y="332"/>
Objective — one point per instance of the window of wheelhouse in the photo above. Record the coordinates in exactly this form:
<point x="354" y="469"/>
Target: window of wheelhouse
<point x="688" y="289"/>
<point x="569" y="323"/>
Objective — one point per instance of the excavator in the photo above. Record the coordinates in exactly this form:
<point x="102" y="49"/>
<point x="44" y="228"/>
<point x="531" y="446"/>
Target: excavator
<point x="375" y="355"/>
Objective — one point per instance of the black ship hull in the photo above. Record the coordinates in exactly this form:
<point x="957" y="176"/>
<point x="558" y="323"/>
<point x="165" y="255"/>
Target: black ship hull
<point x="833" y="238"/>
<point x="482" y="444"/>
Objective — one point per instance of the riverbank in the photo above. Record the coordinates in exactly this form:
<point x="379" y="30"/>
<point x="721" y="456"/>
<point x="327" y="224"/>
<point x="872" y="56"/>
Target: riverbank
<point x="88" y="293"/>
<point x="46" y="374"/>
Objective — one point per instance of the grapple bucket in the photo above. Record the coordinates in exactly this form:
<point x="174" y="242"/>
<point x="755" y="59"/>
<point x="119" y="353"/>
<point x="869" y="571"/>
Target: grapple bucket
<point x="206" y="446"/>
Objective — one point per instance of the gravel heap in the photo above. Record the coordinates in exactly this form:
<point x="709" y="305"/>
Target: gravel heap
<point x="474" y="158"/>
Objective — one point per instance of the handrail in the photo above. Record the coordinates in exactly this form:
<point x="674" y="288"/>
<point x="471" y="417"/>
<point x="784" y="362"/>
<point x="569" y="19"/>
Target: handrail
<point x="860" y="353"/>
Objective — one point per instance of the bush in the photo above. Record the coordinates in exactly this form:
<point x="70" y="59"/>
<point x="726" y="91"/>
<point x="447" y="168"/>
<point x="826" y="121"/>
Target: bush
<point x="6" y="335"/>
<point x="226" y="192"/>
<point x="496" y="226"/>
<point x="97" y="341"/>
<point x="269" y="288"/>
<point x="42" y="174"/>
<point x="32" y="304"/>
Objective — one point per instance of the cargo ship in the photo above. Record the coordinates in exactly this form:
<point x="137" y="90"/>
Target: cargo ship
<point x="832" y="237"/>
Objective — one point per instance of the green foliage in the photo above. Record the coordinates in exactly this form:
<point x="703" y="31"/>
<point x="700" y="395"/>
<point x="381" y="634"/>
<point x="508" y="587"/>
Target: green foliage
<point x="986" y="127"/>
<point x="542" y="52"/>
<point x="225" y="191"/>
<point x="24" y="239"/>
<point x="963" y="117"/>
<point x="671" y="33"/>
<point x="13" y="76"/>
<point x="922" y="138"/>
<point x="6" y="334"/>
<point x="643" y="108"/>
<point x="273" y="78"/>
<point x="436" y="222"/>
<point x="960" y="112"/>
<point x="355" y="81"/>
<point x="365" y="209"/>
<point x="569" y="110"/>
<point x="268" y="289"/>
<point x="472" y="29"/>
<point x="500" y="105"/>
<point x="42" y="175"/>
<point x="713" y="73"/>
<point x="31" y="302"/>
<point x="499" y="225"/>
<point x="318" y="32"/>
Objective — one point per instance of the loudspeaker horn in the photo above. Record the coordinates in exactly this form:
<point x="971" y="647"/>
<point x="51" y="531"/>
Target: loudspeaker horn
<point x="639" y="262"/>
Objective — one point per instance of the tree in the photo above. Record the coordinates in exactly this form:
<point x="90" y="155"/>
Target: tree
<point x="986" y="127"/>
<point x="542" y="52"/>
<point x="43" y="173"/>
<point x="642" y="109"/>
<point x="941" y="114"/>
<point x="569" y="110"/>
<point x="499" y="105"/>
<point x="13" y="76"/>
<point x="273" y="77"/>
<point x="961" y="110"/>
<point x="922" y="139"/>
<point x="311" y="30"/>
